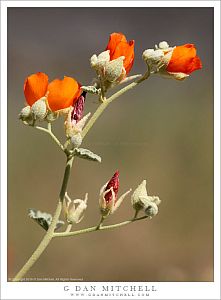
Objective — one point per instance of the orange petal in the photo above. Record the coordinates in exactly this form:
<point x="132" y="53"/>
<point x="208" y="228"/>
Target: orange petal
<point x="114" y="40"/>
<point x="35" y="87"/>
<point x="125" y="49"/>
<point x="119" y="46"/>
<point x="184" y="60"/>
<point x="63" y="93"/>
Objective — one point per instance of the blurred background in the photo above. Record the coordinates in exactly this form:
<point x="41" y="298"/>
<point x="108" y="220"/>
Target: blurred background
<point x="161" y="131"/>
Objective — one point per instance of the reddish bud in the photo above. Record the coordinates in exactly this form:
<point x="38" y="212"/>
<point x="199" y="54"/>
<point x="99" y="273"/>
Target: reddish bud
<point x="113" y="183"/>
<point x="78" y="108"/>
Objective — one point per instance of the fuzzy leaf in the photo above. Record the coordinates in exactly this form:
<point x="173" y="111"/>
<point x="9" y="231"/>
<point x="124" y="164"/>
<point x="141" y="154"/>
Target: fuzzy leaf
<point x="87" y="154"/>
<point x="43" y="219"/>
<point x="91" y="89"/>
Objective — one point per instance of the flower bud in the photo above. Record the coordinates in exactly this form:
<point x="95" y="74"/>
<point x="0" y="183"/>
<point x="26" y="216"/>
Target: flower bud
<point x="141" y="201"/>
<point x="137" y="199"/>
<point x="114" y="185"/>
<point x="114" y="69"/>
<point x="163" y="45"/>
<point x="25" y="113"/>
<point x="74" y="210"/>
<point x="99" y="62"/>
<point x="73" y="128"/>
<point x="153" y="56"/>
<point x="77" y="112"/>
<point x="39" y="109"/>
<point x="108" y="200"/>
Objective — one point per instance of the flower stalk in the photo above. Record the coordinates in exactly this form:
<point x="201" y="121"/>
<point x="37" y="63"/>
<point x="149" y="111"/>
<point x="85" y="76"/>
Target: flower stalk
<point x="49" y="235"/>
<point x="97" y="228"/>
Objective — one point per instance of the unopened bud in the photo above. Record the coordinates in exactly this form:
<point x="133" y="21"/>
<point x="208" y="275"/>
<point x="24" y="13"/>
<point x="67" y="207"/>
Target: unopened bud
<point x="39" y="109"/>
<point x="163" y="45"/>
<point x="25" y="113"/>
<point x="114" y="184"/>
<point x="139" y="194"/>
<point x="77" y="112"/>
<point x="108" y="200"/>
<point x="98" y="62"/>
<point x="114" y="69"/>
<point x="153" y="56"/>
<point x="148" y="53"/>
<point x="141" y="201"/>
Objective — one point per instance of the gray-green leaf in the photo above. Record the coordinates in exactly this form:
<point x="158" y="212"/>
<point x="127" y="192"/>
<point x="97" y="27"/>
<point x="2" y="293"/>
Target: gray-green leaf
<point x="87" y="154"/>
<point x="43" y="219"/>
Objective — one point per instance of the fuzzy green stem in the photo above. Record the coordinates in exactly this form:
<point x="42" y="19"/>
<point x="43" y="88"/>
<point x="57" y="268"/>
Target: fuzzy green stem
<point x="101" y="222"/>
<point x="48" y="131"/>
<point x="97" y="228"/>
<point x="68" y="229"/>
<point x="49" y="235"/>
<point x="42" y="246"/>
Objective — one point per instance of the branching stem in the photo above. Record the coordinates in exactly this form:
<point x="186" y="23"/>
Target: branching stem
<point x="50" y="233"/>
<point x="49" y="131"/>
<point x="97" y="228"/>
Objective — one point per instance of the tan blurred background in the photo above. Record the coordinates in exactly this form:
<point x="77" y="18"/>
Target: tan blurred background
<point x="161" y="131"/>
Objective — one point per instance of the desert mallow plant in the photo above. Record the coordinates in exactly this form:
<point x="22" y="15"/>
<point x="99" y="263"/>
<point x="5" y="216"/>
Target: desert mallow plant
<point x="48" y="101"/>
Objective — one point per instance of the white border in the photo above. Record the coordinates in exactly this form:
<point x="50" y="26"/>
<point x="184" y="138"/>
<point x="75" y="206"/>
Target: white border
<point x="101" y="3"/>
<point x="165" y="290"/>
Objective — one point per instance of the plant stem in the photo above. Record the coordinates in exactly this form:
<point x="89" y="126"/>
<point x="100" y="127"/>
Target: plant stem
<point x="101" y="222"/>
<point x="68" y="229"/>
<point x="48" y="131"/>
<point x="49" y="235"/>
<point x="42" y="246"/>
<point x="97" y="228"/>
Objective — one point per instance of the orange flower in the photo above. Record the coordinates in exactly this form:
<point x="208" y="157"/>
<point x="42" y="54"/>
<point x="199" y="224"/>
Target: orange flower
<point x="35" y="87"/>
<point x="63" y="93"/>
<point x="173" y="62"/>
<point x="60" y="93"/>
<point x="119" y="46"/>
<point x="184" y="60"/>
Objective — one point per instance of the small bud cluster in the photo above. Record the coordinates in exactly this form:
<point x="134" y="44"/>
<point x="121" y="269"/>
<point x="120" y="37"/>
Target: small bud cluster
<point x="75" y="121"/>
<point x="141" y="201"/>
<point x="111" y="72"/>
<point x="159" y="57"/>
<point x="38" y="111"/>
<point x="109" y="202"/>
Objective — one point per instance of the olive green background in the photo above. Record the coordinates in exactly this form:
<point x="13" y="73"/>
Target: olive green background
<point x="161" y="131"/>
